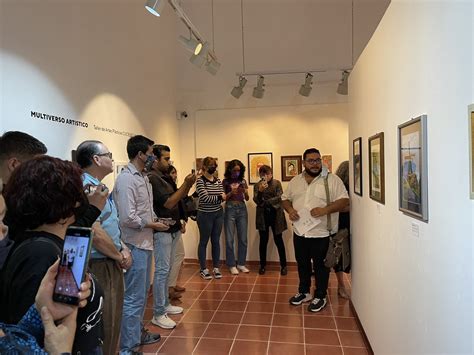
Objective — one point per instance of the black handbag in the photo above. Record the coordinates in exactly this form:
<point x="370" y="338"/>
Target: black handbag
<point x="338" y="243"/>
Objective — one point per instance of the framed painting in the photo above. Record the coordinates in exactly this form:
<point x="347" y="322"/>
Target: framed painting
<point x="327" y="161"/>
<point x="377" y="168"/>
<point x="290" y="166"/>
<point x="357" y="165"/>
<point x="255" y="161"/>
<point x="471" y="150"/>
<point x="413" y="168"/>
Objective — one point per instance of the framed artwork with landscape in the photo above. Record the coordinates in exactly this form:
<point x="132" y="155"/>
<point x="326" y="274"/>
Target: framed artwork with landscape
<point x="413" y="168"/>
<point x="377" y="168"/>
<point x="471" y="150"/>
<point x="290" y="166"/>
<point x="255" y="161"/>
<point x="357" y="165"/>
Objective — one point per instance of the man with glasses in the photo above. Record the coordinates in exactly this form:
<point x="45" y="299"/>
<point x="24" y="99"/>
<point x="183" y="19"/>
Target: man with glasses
<point x="133" y="196"/>
<point x="305" y="193"/>
<point x="109" y="255"/>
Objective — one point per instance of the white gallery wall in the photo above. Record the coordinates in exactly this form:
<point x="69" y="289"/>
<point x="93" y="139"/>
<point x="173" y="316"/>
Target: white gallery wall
<point x="413" y="293"/>
<point x="89" y="62"/>
<point x="282" y="130"/>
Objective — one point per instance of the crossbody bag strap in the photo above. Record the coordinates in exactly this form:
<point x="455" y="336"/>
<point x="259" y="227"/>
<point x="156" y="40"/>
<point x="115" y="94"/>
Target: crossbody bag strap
<point x="328" y="201"/>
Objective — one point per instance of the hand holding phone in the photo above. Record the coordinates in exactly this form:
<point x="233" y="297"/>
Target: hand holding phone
<point x="167" y="221"/>
<point x="73" y="265"/>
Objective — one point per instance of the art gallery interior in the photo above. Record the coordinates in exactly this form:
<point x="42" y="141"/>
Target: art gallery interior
<point x="119" y="70"/>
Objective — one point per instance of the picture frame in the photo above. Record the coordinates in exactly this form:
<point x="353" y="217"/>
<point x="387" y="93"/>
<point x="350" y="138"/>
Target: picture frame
<point x="327" y="161"/>
<point x="377" y="168"/>
<point x="471" y="150"/>
<point x="413" y="168"/>
<point x="357" y="165"/>
<point x="255" y="161"/>
<point x="291" y="165"/>
<point x="118" y="167"/>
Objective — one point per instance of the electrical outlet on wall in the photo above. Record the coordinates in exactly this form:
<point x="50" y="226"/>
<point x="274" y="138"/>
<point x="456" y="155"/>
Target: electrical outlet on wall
<point x="415" y="229"/>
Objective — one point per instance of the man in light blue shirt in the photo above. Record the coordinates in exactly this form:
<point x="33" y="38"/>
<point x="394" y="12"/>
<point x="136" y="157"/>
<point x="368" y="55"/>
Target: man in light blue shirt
<point x="108" y="255"/>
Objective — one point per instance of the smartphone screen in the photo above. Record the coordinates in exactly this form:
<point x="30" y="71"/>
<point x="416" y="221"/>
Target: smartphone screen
<point x="73" y="265"/>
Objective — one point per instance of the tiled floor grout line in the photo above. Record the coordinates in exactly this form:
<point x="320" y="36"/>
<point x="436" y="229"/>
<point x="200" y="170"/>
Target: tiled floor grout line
<point x="335" y="323"/>
<point x="186" y="282"/>
<point x="273" y="315"/>
<point x="243" y="315"/>
<point x="210" y="320"/>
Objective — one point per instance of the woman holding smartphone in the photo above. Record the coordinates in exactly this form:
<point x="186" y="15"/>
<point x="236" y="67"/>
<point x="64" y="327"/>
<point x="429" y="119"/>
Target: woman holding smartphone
<point x="267" y="196"/>
<point x="237" y="192"/>
<point x="44" y="197"/>
<point x="210" y="216"/>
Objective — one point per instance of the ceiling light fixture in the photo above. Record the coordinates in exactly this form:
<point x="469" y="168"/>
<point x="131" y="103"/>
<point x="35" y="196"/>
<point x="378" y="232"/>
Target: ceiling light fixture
<point x="199" y="59"/>
<point x="258" y="91"/>
<point x="306" y="88"/>
<point x="191" y="44"/>
<point x="212" y="66"/>
<point x="155" y="7"/>
<point x="343" y="87"/>
<point x="237" y="91"/>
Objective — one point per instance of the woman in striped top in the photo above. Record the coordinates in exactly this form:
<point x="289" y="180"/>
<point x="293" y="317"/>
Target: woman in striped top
<point x="210" y="216"/>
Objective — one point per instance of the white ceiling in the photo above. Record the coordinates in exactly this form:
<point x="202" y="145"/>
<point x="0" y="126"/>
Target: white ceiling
<point x="279" y="35"/>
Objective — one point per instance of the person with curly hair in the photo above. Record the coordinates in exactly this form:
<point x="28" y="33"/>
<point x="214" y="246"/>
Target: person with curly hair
<point x="237" y="192"/>
<point x="43" y="197"/>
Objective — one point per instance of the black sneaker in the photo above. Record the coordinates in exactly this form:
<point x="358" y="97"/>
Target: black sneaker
<point x="317" y="304"/>
<point x="149" y="338"/>
<point x="283" y="271"/>
<point x="299" y="298"/>
<point x="205" y="274"/>
<point x="261" y="271"/>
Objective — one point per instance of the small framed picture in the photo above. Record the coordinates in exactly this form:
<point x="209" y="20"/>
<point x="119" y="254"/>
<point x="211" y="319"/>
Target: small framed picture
<point x="471" y="149"/>
<point x="357" y="165"/>
<point x="377" y="168"/>
<point x="327" y="161"/>
<point x="290" y="166"/>
<point x="119" y="166"/>
<point x="255" y="161"/>
<point x="413" y="168"/>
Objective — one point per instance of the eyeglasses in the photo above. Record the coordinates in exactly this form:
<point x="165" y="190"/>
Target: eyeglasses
<point x="109" y="154"/>
<point x="313" y="161"/>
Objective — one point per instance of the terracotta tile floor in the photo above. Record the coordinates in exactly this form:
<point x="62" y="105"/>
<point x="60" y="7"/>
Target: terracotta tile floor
<point x="249" y="314"/>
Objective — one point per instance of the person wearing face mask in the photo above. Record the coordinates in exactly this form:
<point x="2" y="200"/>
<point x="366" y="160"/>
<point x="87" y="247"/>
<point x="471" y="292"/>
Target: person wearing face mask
<point x="267" y="195"/>
<point x="133" y="198"/>
<point x="210" y="216"/>
<point x="307" y="192"/>
<point x="166" y="202"/>
<point x="237" y="192"/>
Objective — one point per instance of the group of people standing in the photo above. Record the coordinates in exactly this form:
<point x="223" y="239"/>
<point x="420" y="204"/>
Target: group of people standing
<point x="143" y="219"/>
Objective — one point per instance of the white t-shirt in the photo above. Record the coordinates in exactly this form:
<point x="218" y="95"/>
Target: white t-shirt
<point x="304" y="195"/>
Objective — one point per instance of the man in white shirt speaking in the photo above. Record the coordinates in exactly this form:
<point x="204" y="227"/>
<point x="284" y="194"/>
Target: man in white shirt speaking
<point x="306" y="204"/>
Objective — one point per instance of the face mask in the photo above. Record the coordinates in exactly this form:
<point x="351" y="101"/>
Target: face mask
<point x="235" y="174"/>
<point x="211" y="170"/>
<point x="150" y="159"/>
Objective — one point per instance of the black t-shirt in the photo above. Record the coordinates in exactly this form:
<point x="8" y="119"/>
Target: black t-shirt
<point x="162" y="190"/>
<point x="22" y="275"/>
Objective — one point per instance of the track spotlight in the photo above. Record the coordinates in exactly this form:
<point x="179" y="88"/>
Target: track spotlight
<point x="191" y="44"/>
<point x="258" y="91"/>
<point x="155" y="7"/>
<point x="212" y="66"/>
<point x="199" y="59"/>
<point x="306" y="88"/>
<point x="237" y="91"/>
<point x="342" y="88"/>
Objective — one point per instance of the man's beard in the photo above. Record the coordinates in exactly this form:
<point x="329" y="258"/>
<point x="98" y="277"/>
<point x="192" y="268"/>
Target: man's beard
<point x="310" y="173"/>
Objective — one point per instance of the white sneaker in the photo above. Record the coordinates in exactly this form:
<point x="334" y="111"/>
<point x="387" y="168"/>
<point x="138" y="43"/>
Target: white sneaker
<point x="163" y="322"/>
<point x="217" y="273"/>
<point x="243" y="269"/>
<point x="233" y="270"/>
<point x="174" y="309"/>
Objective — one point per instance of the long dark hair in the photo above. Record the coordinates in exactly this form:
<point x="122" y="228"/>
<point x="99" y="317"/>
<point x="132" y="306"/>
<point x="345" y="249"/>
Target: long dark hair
<point x="231" y="165"/>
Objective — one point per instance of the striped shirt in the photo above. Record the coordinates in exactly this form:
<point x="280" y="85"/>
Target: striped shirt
<point x="209" y="193"/>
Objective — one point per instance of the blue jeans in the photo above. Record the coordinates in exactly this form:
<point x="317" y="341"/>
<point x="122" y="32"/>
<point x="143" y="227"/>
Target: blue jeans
<point x="210" y="225"/>
<point x="164" y="249"/>
<point x="137" y="282"/>
<point x="235" y="215"/>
